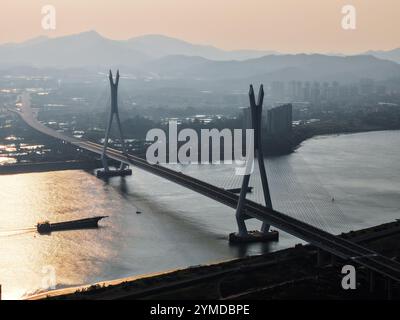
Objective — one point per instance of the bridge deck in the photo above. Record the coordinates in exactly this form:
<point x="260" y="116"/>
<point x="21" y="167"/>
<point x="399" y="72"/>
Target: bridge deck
<point x="337" y="246"/>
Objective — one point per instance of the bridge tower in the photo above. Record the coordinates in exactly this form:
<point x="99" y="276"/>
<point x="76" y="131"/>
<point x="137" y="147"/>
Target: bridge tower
<point x="243" y="235"/>
<point x="123" y="169"/>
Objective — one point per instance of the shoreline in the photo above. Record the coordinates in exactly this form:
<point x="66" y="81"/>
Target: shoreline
<point x="341" y="133"/>
<point x="305" y="133"/>
<point x="33" y="167"/>
<point x="199" y="281"/>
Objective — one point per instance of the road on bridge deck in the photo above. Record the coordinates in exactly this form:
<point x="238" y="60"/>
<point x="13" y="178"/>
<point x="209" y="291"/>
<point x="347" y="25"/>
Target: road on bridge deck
<point x="337" y="246"/>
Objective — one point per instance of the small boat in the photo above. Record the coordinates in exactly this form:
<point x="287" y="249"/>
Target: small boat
<point x="47" y="227"/>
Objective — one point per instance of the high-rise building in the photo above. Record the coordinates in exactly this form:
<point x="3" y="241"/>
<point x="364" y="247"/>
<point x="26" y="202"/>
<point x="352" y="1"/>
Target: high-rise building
<point x="367" y="86"/>
<point x="279" y="120"/>
<point x="292" y="90"/>
<point x="315" y="92"/>
<point x="307" y="91"/>
<point x="299" y="90"/>
<point x="277" y="90"/>
<point x="325" y="91"/>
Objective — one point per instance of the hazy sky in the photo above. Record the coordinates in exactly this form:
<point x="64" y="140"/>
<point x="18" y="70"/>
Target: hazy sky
<point x="284" y="25"/>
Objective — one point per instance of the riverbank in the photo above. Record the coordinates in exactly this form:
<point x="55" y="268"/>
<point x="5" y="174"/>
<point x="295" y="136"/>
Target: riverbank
<point x="286" y="274"/>
<point x="323" y="128"/>
<point x="49" y="166"/>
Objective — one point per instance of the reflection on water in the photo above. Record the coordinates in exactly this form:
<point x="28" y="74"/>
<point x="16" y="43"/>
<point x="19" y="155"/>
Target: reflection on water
<point x="29" y="198"/>
<point x="177" y="227"/>
<point x="7" y="160"/>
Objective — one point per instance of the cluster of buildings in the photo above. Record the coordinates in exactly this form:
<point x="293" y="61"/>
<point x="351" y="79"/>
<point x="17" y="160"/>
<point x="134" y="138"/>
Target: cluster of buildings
<point x="306" y="91"/>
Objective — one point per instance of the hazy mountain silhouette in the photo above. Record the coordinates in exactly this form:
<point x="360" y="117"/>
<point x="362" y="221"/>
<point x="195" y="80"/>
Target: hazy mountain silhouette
<point x="158" y="46"/>
<point x="84" y="49"/>
<point x="90" y="48"/>
<point x="393" y="55"/>
<point x="165" y="58"/>
<point x="29" y="42"/>
<point x="278" y="67"/>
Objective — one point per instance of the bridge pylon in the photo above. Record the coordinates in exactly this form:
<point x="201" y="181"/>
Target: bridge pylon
<point x="243" y="235"/>
<point x="123" y="170"/>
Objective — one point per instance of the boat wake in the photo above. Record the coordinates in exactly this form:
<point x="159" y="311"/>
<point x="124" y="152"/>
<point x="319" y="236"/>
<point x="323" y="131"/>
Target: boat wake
<point x="16" y="232"/>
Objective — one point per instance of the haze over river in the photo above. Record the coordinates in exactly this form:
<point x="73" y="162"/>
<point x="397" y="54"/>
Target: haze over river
<point x="337" y="183"/>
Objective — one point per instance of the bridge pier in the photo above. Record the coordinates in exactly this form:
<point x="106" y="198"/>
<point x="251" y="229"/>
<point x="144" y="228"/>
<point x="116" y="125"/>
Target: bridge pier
<point x="240" y="216"/>
<point x="243" y="235"/>
<point x="123" y="170"/>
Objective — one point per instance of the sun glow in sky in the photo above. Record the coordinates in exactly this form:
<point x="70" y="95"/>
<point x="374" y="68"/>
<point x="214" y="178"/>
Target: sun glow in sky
<point x="283" y="25"/>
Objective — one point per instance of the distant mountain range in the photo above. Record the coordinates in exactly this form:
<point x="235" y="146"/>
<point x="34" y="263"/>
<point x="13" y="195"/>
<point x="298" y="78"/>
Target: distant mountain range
<point x="393" y="55"/>
<point x="81" y="50"/>
<point x="90" y="48"/>
<point x="157" y="46"/>
<point x="277" y="67"/>
<point x="164" y="57"/>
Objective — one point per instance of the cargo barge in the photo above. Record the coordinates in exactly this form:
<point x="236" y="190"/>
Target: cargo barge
<point x="88" y="223"/>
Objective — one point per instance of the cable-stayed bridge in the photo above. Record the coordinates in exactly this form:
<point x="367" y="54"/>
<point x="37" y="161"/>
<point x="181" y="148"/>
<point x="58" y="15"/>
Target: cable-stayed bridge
<point x="327" y="242"/>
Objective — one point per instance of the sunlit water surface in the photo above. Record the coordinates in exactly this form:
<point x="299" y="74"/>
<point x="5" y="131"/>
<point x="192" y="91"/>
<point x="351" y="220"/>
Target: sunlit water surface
<point x="337" y="183"/>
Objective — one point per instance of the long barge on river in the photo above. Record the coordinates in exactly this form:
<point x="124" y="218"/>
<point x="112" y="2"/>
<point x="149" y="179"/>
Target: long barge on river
<point x="88" y="223"/>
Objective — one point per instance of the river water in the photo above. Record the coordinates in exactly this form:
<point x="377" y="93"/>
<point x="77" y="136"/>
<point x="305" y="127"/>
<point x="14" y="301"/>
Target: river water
<point x="337" y="183"/>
